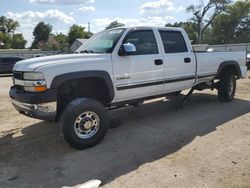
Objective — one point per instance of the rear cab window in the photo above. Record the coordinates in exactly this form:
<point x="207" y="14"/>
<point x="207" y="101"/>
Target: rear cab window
<point x="173" y="41"/>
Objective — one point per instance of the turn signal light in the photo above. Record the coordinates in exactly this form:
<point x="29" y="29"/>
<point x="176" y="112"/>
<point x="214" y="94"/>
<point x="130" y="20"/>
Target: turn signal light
<point x="35" y="88"/>
<point x="40" y="88"/>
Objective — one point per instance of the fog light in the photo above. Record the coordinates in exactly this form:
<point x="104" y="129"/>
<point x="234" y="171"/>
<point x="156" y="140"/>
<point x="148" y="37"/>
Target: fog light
<point x="47" y="107"/>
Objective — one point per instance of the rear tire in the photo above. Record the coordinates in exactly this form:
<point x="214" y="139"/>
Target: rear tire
<point x="227" y="87"/>
<point x="83" y="123"/>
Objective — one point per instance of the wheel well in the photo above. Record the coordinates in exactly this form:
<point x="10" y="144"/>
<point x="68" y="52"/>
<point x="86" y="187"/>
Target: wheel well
<point x="228" y="68"/>
<point x="95" y="88"/>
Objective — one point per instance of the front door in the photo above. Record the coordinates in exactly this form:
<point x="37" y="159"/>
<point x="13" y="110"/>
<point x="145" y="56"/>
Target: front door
<point x="141" y="74"/>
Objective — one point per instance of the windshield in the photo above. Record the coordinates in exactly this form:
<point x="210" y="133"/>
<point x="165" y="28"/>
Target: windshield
<point x="103" y="42"/>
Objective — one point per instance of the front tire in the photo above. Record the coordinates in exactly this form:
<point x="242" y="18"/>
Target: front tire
<point x="83" y="123"/>
<point x="227" y="87"/>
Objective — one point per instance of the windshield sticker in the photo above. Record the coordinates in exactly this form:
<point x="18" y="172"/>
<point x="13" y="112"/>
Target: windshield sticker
<point x="115" y="31"/>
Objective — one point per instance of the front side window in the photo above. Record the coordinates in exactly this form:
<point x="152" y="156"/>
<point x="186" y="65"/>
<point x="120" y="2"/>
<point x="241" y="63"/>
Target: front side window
<point x="173" y="42"/>
<point x="144" y="42"/>
<point x="103" y="42"/>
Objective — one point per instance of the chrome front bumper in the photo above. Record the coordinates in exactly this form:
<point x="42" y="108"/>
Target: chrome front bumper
<point x="44" y="111"/>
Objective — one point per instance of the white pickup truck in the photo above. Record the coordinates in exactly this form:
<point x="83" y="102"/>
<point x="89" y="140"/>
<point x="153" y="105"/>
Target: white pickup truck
<point x="118" y="67"/>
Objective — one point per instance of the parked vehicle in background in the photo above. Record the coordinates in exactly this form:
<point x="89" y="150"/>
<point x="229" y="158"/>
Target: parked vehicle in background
<point x="117" y="68"/>
<point x="39" y="55"/>
<point x="248" y="61"/>
<point x="7" y="63"/>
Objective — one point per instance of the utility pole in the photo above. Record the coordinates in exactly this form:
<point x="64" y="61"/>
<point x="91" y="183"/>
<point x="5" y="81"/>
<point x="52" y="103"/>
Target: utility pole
<point x="89" y="27"/>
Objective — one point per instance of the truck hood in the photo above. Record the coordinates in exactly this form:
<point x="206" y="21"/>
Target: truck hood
<point x="41" y="62"/>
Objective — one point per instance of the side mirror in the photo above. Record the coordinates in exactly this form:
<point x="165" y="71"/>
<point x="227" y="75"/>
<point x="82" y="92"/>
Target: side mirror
<point x="127" y="49"/>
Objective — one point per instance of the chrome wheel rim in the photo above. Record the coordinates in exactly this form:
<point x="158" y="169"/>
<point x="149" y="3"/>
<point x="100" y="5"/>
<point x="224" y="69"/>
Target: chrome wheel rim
<point x="231" y="87"/>
<point x="86" y="125"/>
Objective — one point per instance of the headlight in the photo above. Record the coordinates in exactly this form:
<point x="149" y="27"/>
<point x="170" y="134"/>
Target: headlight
<point x="33" y="76"/>
<point x="32" y="82"/>
<point x="35" y="86"/>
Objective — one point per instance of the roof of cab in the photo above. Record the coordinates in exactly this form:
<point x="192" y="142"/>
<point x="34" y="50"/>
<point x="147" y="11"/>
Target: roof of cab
<point x="151" y="27"/>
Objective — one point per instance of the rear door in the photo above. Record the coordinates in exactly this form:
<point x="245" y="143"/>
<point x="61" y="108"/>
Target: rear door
<point x="140" y="74"/>
<point x="179" y="61"/>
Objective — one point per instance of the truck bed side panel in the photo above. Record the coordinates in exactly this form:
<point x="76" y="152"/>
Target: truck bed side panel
<point x="209" y="62"/>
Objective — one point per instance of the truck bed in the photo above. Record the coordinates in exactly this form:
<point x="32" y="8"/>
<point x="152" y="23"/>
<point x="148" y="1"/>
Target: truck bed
<point x="209" y="62"/>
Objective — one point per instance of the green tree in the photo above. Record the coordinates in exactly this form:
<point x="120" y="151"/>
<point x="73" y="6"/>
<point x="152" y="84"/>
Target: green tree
<point x="55" y="42"/>
<point x="8" y="36"/>
<point x="205" y="13"/>
<point x="114" y="24"/>
<point x="8" y="25"/>
<point x="233" y="25"/>
<point x="50" y="44"/>
<point x="207" y="36"/>
<point x="41" y="33"/>
<point x="62" y="41"/>
<point x="6" y="40"/>
<point x="75" y="32"/>
<point x="18" y="41"/>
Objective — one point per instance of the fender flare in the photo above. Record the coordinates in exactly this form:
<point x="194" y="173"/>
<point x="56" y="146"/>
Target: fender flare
<point x="225" y="64"/>
<point x="60" y="79"/>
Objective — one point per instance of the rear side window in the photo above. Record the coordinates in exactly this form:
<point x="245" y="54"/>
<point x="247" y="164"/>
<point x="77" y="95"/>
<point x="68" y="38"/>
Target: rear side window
<point x="173" y="42"/>
<point x="144" y="42"/>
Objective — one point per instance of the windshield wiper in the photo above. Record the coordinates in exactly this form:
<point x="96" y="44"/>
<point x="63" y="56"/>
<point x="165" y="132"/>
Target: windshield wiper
<point x="87" y="51"/>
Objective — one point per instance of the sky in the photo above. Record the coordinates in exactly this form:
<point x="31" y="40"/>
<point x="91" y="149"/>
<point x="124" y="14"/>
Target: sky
<point x="61" y="14"/>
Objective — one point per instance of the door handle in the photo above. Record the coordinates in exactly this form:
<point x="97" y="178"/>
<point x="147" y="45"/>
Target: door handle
<point x="158" y="62"/>
<point x="187" y="60"/>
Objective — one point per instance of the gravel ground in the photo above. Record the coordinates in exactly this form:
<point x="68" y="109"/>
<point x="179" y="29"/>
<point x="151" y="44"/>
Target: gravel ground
<point x="207" y="144"/>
